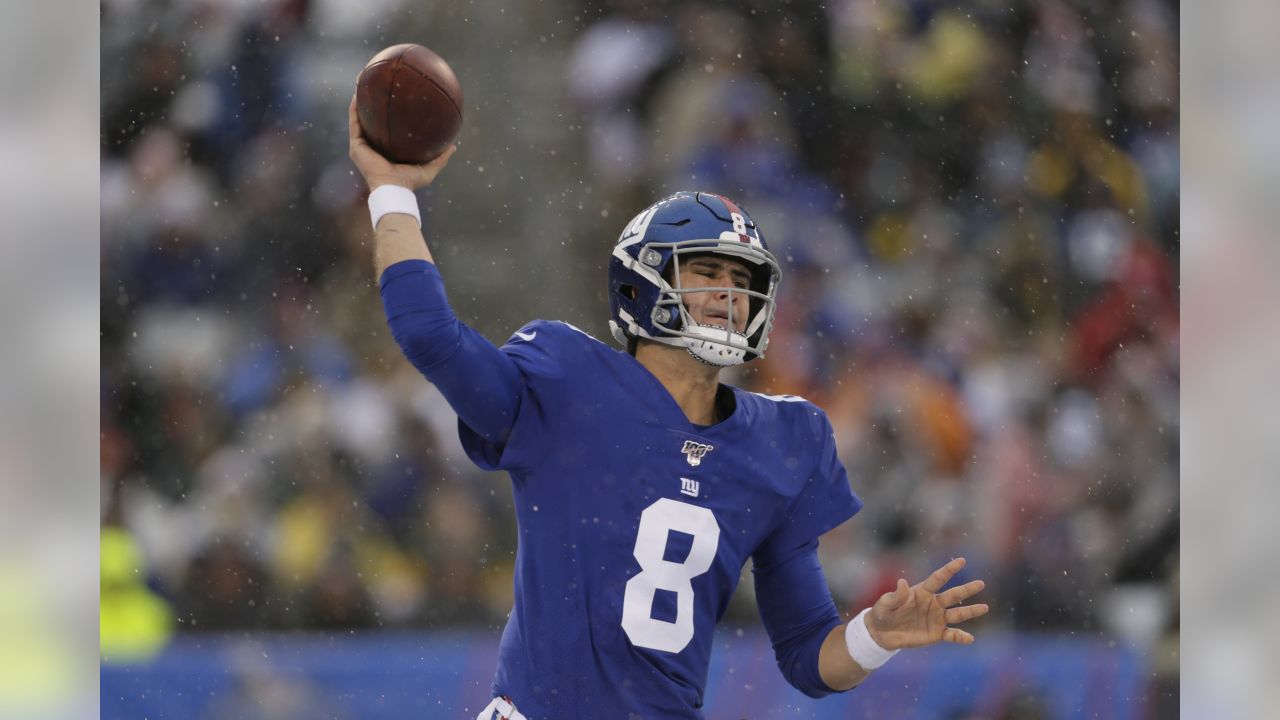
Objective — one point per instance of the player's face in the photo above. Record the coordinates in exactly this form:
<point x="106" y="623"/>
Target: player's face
<point x="712" y="307"/>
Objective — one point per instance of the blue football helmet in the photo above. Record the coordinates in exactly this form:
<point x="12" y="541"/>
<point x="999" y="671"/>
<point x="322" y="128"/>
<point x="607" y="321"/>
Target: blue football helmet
<point x="645" y="297"/>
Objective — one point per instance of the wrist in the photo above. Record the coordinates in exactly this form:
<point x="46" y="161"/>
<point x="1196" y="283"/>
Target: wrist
<point x="376" y="181"/>
<point x="862" y="647"/>
<point x="389" y="198"/>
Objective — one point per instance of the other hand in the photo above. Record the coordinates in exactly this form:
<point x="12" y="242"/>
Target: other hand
<point x="916" y="615"/>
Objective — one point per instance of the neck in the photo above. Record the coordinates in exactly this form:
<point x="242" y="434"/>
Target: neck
<point x="691" y="383"/>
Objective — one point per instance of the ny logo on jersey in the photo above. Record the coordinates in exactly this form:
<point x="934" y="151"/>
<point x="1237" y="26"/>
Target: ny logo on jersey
<point x="694" y="451"/>
<point x="689" y="487"/>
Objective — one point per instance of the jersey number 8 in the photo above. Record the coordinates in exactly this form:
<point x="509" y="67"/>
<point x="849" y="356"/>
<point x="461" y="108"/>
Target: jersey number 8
<point x="656" y="573"/>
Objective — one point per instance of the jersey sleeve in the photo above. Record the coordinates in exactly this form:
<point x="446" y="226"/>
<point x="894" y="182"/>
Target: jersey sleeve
<point x="481" y="383"/>
<point x="798" y="613"/>
<point x="791" y="590"/>
<point x="538" y="352"/>
<point x="824" y="501"/>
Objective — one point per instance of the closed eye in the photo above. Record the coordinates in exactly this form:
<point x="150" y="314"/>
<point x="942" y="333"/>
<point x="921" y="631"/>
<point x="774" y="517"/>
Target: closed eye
<point x="712" y="269"/>
<point x="738" y="282"/>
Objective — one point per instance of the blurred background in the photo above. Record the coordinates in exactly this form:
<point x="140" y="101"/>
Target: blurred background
<point x="976" y="206"/>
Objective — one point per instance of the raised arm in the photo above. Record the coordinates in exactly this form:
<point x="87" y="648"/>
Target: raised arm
<point x="483" y="384"/>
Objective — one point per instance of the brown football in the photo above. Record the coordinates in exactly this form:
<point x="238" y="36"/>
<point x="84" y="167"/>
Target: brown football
<point x="409" y="103"/>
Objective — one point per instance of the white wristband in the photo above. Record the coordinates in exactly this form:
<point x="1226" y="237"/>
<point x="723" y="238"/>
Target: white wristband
<point x="864" y="650"/>
<point x="392" y="199"/>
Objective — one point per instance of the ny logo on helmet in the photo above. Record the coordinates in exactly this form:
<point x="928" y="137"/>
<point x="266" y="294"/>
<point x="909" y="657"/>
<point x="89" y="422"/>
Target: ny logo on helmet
<point x="694" y="451"/>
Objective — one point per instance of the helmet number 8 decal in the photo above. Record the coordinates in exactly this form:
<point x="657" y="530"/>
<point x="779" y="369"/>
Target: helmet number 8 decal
<point x="657" y="573"/>
<point x="739" y="225"/>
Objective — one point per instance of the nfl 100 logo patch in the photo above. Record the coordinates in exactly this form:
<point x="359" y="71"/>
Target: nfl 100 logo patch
<point x="694" y="452"/>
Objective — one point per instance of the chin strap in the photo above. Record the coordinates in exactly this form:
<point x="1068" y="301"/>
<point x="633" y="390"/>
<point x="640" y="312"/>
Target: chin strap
<point x="500" y="709"/>
<point x="710" y="345"/>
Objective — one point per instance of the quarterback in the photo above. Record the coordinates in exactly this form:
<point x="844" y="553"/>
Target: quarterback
<point x="642" y="484"/>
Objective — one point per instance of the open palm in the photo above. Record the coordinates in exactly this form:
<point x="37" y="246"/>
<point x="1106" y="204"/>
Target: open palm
<point x="915" y="615"/>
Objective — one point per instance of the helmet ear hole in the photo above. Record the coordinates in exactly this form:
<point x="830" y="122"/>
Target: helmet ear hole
<point x="627" y="291"/>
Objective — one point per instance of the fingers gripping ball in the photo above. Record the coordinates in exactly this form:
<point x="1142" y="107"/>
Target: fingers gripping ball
<point x="409" y="103"/>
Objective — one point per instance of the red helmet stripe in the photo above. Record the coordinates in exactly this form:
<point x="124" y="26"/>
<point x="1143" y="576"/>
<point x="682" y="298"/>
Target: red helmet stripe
<point x="733" y="209"/>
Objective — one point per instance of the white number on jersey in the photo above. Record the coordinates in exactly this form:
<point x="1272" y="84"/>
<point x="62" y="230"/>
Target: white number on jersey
<point x="656" y="523"/>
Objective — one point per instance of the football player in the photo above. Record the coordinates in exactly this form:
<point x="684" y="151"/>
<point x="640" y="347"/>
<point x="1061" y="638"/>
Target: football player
<point x="642" y="484"/>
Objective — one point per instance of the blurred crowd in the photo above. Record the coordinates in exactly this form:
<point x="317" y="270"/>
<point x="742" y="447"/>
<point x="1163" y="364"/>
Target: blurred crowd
<point x="976" y="209"/>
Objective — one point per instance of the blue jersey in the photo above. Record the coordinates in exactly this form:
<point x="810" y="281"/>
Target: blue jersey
<point x="634" y="524"/>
